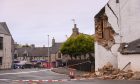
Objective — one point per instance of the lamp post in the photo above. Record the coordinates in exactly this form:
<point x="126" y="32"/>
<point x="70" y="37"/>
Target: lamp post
<point x="49" y="61"/>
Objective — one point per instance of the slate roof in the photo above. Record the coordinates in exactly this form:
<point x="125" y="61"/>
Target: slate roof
<point x="131" y="48"/>
<point x="4" y="29"/>
<point x="37" y="51"/>
<point x="55" y="48"/>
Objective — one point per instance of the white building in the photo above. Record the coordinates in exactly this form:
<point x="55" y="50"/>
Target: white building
<point x="5" y="47"/>
<point x="117" y="35"/>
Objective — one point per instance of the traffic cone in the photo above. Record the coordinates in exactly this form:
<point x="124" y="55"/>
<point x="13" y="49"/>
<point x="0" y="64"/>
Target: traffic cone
<point x="71" y="74"/>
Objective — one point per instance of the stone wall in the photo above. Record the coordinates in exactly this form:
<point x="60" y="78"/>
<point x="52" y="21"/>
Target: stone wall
<point x="6" y="53"/>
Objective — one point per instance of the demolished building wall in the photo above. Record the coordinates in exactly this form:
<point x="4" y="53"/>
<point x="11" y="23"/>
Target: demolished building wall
<point x="122" y="18"/>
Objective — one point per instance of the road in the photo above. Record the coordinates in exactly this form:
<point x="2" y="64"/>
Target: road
<point x="48" y="77"/>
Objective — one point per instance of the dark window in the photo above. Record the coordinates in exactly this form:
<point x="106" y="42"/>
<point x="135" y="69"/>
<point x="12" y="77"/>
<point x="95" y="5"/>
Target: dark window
<point x="24" y="54"/>
<point x="59" y="55"/>
<point x="0" y="60"/>
<point x="15" y="56"/>
<point x="117" y="1"/>
<point x="1" y="43"/>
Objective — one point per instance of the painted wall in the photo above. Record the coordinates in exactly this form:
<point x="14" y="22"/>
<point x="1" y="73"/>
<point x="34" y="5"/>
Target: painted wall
<point x="123" y="60"/>
<point x="103" y="56"/>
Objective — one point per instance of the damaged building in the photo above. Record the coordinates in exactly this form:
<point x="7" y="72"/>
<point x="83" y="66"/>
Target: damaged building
<point x="117" y="35"/>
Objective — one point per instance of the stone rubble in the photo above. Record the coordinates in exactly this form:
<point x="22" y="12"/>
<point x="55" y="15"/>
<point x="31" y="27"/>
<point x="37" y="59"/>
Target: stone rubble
<point x="110" y="73"/>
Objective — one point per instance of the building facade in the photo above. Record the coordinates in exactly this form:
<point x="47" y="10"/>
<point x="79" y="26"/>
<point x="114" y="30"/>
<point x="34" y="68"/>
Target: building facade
<point x="117" y="35"/>
<point x="31" y="54"/>
<point x="6" y="47"/>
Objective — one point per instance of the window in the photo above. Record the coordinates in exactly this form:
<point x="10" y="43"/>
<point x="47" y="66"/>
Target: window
<point x="117" y="1"/>
<point x="59" y="55"/>
<point x="1" y="43"/>
<point x="0" y="60"/>
<point x="15" y="56"/>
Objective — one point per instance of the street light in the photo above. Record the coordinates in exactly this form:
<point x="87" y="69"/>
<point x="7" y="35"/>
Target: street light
<point x="49" y="52"/>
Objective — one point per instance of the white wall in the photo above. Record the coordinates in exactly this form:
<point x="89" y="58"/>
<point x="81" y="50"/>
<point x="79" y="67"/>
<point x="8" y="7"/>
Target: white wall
<point x="103" y="56"/>
<point x="130" y="24"/>
<point x="123" y="60"/>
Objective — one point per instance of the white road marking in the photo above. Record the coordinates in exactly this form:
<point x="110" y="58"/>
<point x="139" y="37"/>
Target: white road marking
<point x="4" y="79"/>
<point x="24" y="72"/>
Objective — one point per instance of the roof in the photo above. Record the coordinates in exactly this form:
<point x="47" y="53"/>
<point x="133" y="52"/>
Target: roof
<point x="101" y="12"/>
<point x="4" y="29"/>
<point x="131" y="48"/>
<point x="55" y="48"/>
<point x="37" y="51"/>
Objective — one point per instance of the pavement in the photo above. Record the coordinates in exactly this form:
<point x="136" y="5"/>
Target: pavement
<point x="66" y="71"/>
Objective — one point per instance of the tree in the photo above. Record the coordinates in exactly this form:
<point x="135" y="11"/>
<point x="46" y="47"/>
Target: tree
<point x="78" y="45"/>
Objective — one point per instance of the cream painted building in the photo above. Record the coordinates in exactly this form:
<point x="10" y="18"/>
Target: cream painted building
<point x="117" y="35"/>
<point x="5" y="47"/>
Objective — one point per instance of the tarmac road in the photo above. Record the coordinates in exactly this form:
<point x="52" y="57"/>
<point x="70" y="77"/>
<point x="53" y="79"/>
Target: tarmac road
<point x="48" y="77"/>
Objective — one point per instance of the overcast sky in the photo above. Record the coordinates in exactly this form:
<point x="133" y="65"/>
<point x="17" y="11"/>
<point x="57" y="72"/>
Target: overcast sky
<point x="30" y="21"/>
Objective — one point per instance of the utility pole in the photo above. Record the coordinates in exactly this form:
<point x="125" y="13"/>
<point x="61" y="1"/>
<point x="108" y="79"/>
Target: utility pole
<point x="49" y="58"/>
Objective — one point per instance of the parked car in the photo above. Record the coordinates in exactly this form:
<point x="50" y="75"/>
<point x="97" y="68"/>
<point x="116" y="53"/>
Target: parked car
<point x="22" y="65"/>
<point x="27" y="65"/>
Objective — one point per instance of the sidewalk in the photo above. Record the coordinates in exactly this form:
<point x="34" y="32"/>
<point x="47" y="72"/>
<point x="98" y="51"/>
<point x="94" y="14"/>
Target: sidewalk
<point x="63" y="70"/>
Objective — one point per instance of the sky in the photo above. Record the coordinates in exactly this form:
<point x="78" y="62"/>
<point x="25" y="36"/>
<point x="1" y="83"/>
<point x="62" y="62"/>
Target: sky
<point x="31" y="21"/>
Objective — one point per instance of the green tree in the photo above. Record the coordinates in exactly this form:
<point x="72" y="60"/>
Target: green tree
<point x="78" y="45"/>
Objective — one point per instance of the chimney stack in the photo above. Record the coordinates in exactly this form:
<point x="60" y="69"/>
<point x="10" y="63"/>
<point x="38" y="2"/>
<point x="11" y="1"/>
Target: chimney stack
<point x="53" y="41"/>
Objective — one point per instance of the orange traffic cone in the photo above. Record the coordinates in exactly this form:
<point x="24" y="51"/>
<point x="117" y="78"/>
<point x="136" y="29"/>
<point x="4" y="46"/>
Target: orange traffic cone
<point x="71" y="74"/>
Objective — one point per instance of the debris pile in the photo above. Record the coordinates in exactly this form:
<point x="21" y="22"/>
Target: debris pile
<point x="89" y="75"/>
<point x="136" y="76"/>
<point x="108" y="72"/>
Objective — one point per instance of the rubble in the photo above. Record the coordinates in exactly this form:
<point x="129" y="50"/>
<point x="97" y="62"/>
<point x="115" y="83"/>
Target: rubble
<point x="136" y="76"/>
<point x="110" y="73"/>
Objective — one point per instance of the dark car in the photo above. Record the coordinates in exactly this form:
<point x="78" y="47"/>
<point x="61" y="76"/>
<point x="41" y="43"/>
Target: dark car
<point x="22" y="65"/>
<point x="27" y="66"/>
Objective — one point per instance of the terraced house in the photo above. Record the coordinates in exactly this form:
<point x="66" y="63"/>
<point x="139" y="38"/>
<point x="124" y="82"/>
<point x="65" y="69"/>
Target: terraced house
<point x="6" y="47"/>
<point x="34" y="54"/>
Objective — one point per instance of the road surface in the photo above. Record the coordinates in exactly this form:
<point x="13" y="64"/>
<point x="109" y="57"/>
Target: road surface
<point x="43" y="76"/>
